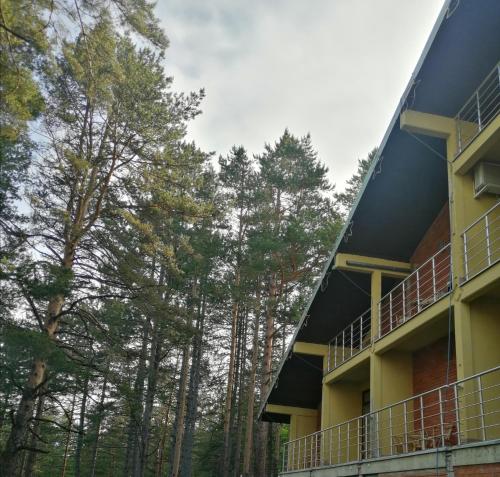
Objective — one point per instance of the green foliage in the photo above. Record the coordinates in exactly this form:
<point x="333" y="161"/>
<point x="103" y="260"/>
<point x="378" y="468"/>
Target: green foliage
<point x="347" y="198"/>
<point x="143" y="244"/>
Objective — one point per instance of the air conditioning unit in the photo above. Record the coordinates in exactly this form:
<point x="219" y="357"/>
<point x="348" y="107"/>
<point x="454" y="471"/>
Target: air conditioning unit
<point x="486" y="178"/>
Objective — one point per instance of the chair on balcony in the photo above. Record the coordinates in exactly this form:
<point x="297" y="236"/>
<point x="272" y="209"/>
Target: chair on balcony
<point x="447" y="438"/>
<point x="413" y="442"/>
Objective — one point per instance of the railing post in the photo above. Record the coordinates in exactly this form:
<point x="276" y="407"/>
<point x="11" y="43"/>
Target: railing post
<point x="305" y="453"/>
<point x="310" y="462"/>
<point x="330" y="450"/>
<point x="283" y="464"/>
<point x="459" y="134"/>
<point x="481" y="407"/>
<point x="405" y="420"/>
<point x="380" y="319"/>
<point x="343" y="345"/>
<point x="434" y="277"/>
<point x="422" y="425"/>
<point x="352" y="339"/>
<point x="390" y="308"/>
<point x="328" y="357"/>
<point x="358" y="453"/>
<point x="441" y="415"/>
<point x="478" y="110"/>
<point x="457" y="414"/>
<point x="390" y="431"/>
<point x="361" y="332"/>
<point x="488" y="244"/>
<point x="466" y="259"/>
<point x="340" y="447"/>
<point x="348" y="439"/>
<point x="315" y="451"/>
<point x="367" y="442"/>
<point x="336" y="350"/>
<point x="418" y="290"/>
<point x="404" y="302"/>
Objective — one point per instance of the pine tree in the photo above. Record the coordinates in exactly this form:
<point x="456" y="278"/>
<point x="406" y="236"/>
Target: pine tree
<point x="348" y="197"/>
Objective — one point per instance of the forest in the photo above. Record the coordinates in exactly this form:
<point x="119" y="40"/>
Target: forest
<point x="148" y="288"/>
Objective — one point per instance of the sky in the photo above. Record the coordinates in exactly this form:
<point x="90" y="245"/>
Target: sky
<point x="333" y="68"/>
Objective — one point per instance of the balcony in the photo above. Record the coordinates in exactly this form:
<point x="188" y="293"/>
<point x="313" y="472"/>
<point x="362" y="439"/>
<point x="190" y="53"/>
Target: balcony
<point x="479" y="111"/>
<point x="481" y="241"/>
<point x="350" y="341"/>
<point x="460" y="413"/>
<point x="426" y="285"/>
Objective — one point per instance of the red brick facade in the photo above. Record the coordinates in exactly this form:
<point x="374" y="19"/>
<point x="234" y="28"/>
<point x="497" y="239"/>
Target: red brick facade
<point x="437" y="235"/>
<point x="483" y="470"/>
<point x="430" y="367"/>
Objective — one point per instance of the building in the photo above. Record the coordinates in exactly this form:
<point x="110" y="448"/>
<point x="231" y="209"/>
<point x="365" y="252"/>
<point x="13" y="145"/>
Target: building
<point x="394" y="368"/>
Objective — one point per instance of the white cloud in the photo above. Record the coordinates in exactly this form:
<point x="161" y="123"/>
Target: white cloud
<point x="334" y="68"/>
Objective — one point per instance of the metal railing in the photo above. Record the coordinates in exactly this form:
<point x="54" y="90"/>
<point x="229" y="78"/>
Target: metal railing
<point x="350" y="341"/>
<point x="426" y="285"/>
<point x="464" y="412"/>
<point x="481" y="108"/>
<point x="481" y="242"/>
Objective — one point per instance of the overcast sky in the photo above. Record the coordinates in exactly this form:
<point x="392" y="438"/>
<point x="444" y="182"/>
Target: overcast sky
<point x="333" y="68"/>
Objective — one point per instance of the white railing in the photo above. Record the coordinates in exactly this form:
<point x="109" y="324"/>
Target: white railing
<point x="481" y="242"/>
<point x="481" y="108"/>
<point x="426" y="285"/>
<point x="350" y="341"/>
<point x="464" y="412"/>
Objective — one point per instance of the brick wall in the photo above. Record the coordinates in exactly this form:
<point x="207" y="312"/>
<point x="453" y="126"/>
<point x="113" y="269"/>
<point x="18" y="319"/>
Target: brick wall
<point x="480" y="470"/>
<point x="429" y="372"/>
<point x="433" y="278"/>
<point x="483" y="470"/>
<point x="437" y="235"/>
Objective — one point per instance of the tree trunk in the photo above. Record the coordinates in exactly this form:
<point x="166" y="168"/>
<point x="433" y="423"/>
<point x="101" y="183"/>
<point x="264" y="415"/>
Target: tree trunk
<point x="154" y="363"/>
<point x="30" y="463"/>
<point x="242" y="342"/>
<point x="192" y="399"/>
<point x="161" y="451"/>
<point x="81" y="427"/>
<point x="180" y="414"/>
<point x="131" y="454"/>
<point x="36" y="378"/>
<point x="247" y="456"/>
<point x="226" y="456"/>
<point x="68" y="436"/>
<point x="100" y="416"/>
<point x="267" y="374"/>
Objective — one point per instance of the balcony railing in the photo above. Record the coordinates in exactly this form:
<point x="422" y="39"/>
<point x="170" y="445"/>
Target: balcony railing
<point x="481" y="108"/>
<point x="426" y="285"/>
<point x="464" y="412"/>
<point x="482" y="242"/>
<point x="349" y="342"/>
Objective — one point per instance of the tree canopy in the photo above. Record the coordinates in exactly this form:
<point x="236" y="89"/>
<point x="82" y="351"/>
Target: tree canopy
<point x="148" y="290"/>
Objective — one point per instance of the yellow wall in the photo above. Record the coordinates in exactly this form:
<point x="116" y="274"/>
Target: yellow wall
<point x="342" y="401"/>
<point x="301" y="451"/>
<point x="485" y="319"/>
<point x="394" y="379"/>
